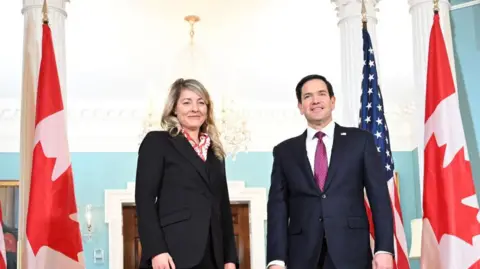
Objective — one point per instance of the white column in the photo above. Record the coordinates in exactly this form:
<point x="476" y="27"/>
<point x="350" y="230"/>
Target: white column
<point x="422" y="19"/>
<point x="349" y="13"/>
<point x="32" y="12"/>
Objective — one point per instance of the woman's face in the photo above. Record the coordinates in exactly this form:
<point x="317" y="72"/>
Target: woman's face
<point x="191" y="110"/>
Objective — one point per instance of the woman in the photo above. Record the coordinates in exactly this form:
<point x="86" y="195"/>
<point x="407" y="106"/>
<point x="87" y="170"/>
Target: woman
<point x="181" y="195"/>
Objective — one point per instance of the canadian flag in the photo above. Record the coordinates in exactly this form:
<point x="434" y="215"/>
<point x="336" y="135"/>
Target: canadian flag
<point x="53" y="232"/>
<point x="451" y="216"/>
<point x="3" y="251"/>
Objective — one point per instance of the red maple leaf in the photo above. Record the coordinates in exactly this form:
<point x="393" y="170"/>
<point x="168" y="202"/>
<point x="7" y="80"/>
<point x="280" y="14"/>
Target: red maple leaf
<point x="445" y="188"/>
<point x="51" y="205"/>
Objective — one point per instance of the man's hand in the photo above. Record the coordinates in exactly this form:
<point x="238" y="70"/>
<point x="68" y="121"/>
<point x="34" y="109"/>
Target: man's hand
<point x="276" y="267"/>
<point x="163" y="261"/>
<point x="230" y="265"/>
<point x="383" y="261"/>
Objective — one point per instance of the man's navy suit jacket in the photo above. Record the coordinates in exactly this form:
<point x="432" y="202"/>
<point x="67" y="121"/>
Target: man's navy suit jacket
<point x="300" y="215"/>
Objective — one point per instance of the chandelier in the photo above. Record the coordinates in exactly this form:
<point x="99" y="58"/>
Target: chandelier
<point x="150" y="123"/>
<point x="232" y="126"/>
<point x="234" y="134"/>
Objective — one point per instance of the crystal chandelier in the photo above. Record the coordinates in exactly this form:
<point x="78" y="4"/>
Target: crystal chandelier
<point x="152" y="117"/>
<point x="149" y="124"/>
<point x="233" y="130"/>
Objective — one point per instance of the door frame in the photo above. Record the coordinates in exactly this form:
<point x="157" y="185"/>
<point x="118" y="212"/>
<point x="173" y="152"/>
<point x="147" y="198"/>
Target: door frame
<point x="256" y="198"/>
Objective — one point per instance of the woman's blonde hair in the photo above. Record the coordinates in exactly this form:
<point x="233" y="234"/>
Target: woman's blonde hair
<point x="170" y="122"/>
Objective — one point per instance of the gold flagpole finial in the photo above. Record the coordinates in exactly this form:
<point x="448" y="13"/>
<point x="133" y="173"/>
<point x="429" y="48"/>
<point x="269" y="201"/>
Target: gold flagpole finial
<point x="435" y="5"/>
<point x="45" y="12"/>
<point x="364" y="13"/>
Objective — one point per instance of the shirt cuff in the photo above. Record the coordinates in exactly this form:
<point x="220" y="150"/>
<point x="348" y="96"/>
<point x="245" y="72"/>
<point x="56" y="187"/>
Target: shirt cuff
<point x="382" y="252"/>
<point x="276" y="262"/>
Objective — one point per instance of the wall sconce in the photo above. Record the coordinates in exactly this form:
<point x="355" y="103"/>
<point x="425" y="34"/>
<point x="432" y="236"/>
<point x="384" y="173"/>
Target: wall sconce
<point x="88" y="221"/>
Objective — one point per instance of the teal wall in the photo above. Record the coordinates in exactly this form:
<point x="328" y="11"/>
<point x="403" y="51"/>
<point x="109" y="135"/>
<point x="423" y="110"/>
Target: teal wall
<point x="95" y="172"/>
<point x="466" y="38"/>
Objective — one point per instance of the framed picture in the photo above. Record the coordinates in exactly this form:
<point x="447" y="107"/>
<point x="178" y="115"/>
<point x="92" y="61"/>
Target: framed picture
<point x="9" y="199"/>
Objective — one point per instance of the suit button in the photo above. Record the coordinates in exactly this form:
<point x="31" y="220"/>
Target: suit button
<point x="324" y="196"/>
<point x="320" y="219"/>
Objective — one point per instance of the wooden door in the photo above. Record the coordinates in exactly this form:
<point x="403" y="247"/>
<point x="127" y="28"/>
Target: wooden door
<point x="241" y="230"/>
<point x="132" y="249"/>
<point x="131" y="241"/>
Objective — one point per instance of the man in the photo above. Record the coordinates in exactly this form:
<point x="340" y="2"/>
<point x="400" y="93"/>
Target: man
<point x="316" y="211"/>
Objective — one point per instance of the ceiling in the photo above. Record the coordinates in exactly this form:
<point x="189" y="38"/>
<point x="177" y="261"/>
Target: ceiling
<point x="253" y="50"/>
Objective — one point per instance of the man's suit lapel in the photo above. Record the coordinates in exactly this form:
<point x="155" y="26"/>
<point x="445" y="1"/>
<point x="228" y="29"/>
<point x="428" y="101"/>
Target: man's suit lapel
<point x="184" y="147"/>
<point x="302" y="158"/>
<point x="338" y="149"/>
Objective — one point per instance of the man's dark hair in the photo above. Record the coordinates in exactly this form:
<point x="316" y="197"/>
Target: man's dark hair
<point x="306" y="79"/>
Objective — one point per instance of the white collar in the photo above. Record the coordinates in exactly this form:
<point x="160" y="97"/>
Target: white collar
<point x="327" y="130"/>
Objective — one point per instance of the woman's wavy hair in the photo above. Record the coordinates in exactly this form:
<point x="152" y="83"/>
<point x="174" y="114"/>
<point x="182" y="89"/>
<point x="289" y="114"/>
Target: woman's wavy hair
<point x="170" y="122"/>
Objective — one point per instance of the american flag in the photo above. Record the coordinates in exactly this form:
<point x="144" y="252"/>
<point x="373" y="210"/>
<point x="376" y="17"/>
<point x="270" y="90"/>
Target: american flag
<point x="372" y="119"/>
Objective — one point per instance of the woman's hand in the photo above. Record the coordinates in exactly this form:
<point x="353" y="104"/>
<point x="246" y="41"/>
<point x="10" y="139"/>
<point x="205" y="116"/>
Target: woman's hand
<point x="163" y="261"/>
<point x="230" y="265"/>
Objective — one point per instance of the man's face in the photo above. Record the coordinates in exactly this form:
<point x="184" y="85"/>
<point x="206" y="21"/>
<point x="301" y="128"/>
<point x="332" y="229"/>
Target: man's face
<point x="316" y="104"/>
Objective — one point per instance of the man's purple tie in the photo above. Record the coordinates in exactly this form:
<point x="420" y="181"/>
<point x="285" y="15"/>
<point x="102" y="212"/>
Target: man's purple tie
<point x="321" y="162"/>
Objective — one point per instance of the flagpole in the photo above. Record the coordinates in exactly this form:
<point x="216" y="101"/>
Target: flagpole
<point x="45" y="12"/>
<point x="364" y="15"/>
